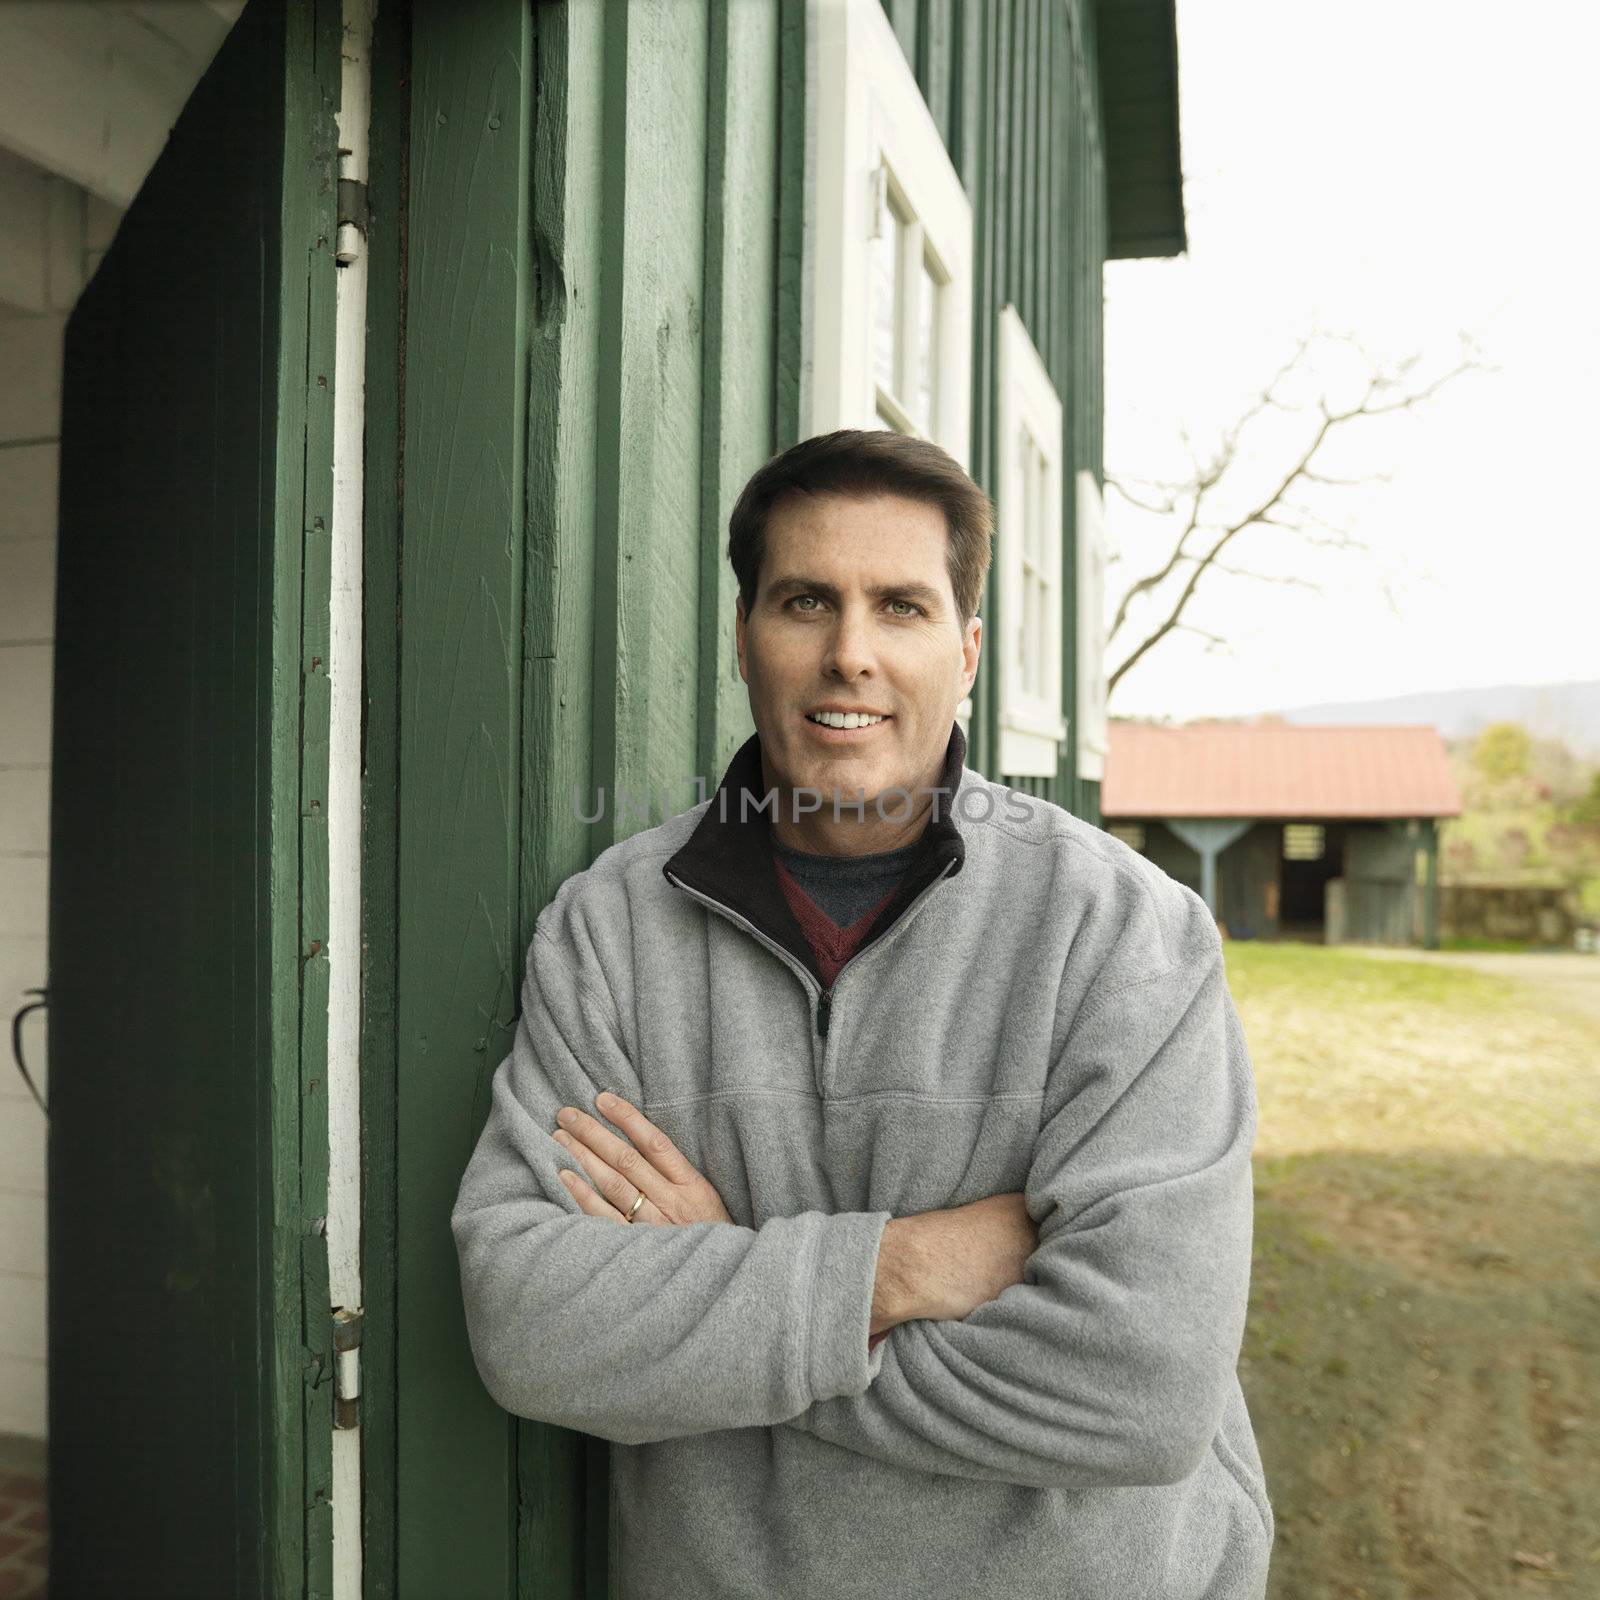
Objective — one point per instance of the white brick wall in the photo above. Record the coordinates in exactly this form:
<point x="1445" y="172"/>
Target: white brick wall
<point x="30" y="412"/>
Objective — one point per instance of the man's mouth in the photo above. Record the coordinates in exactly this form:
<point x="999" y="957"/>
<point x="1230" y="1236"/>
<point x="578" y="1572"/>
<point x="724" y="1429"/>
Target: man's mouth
<point x="846" y="720"/>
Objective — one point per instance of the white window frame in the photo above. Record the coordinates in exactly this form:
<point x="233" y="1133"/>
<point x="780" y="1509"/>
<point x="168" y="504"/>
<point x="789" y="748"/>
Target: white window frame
<point x="1093" y="733"/>
<point x="1032" y="724"/>
<point x="870" y="136"/>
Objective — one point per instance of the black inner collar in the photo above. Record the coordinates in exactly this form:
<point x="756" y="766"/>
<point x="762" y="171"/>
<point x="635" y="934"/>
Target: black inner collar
<point x="728" y="857"/>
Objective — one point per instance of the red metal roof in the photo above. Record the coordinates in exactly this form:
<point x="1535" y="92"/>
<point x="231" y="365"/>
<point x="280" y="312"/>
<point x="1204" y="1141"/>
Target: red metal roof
<point x="1276" y="769"/>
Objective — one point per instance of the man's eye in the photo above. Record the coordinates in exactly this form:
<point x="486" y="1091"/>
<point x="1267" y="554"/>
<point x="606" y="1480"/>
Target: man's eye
<point x="799" y="597"/>
<point x="911" y="608"/>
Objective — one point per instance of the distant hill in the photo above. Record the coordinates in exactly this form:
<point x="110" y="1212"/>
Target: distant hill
<point x="1566" y="711"/>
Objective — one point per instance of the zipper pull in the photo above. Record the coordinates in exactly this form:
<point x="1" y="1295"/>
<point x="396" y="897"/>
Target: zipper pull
<point x="824" y="1008"/>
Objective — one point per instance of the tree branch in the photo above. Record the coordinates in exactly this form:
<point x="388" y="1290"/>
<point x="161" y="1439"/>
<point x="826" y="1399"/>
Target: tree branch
<point x="1275" y="509"/>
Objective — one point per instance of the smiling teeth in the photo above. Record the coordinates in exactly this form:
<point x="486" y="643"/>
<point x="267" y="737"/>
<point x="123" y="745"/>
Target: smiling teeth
<point x="843" y="719"/>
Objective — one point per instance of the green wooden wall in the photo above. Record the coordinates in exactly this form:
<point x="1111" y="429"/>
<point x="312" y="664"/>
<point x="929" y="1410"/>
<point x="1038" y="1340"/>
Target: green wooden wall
<point x="586" y="253"/>
<point x="190" y="1337"/>
<point x="1012" y="85"/>
<point x="588" y="263"/>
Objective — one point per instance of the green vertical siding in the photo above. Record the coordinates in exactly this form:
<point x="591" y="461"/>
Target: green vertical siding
<point x="459" y="936"/>
<point x="1012" y="86"/>
<point x="739" y="403"/>
<point x="648" y="502"/>
<point x="556" y="1540"/>
<point x="595" y="362"/>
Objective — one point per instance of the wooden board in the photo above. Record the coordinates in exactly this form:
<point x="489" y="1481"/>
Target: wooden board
<point x="190" y="1379"/>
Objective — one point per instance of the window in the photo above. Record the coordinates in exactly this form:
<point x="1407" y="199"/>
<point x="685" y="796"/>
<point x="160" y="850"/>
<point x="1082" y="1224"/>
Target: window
<point x="888" y="243"/>
<point x="1130" y="833"/>
<point x="888" y="246"/>
<point x="908" y="286"/>
<point x="1302" y="841"/>
<point x="1028" y="539"/>
<point x="1093" y="737"/>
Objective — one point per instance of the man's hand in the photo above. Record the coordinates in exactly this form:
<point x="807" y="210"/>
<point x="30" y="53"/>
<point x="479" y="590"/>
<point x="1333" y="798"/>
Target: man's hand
<point x="674" y="1192"/>
<point x="942" y="1265"/>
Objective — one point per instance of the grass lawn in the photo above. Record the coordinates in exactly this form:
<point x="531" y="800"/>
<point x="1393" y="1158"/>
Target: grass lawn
<point x="1422" y="1358"/>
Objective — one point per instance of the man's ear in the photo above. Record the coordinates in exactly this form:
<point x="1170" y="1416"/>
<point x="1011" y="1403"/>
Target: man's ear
<point x="971" y="648"/>
<point x="738" y="634"/>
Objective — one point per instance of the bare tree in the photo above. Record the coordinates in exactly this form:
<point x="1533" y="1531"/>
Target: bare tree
<point x="1188" y="505"/>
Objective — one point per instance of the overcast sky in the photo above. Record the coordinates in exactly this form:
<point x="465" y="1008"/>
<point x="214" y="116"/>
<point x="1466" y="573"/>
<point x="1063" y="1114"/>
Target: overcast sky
<point x="1399" y="171"/>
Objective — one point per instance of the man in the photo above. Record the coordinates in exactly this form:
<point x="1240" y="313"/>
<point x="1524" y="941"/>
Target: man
<point x="872" y="1162"/>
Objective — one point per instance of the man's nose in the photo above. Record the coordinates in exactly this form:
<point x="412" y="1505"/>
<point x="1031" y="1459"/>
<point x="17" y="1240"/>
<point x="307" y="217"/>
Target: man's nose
<point x="850" y="646"/>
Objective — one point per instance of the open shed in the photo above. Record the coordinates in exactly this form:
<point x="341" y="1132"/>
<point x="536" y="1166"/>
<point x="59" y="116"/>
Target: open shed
<point x="1289" y="831"/>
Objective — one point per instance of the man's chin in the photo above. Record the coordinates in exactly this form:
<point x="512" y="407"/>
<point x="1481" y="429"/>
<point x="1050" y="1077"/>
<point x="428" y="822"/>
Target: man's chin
<point x="852" y="778"/>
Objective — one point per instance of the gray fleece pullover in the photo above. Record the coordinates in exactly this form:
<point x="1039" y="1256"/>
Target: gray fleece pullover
<point x="1038" y="1008"/>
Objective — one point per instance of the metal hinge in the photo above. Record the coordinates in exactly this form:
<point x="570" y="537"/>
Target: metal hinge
<point x="352" y="214"/>
<point x="347" y="1368"/>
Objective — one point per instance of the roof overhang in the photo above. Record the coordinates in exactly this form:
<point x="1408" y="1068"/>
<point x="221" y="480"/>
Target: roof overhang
<point x="1137" y="52"/>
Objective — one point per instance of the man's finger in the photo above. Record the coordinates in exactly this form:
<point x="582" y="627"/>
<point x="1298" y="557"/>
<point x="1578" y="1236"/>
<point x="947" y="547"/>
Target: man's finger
<point x="620" y="1191"/>
<point x="614" y="1165"/>
<point x="653" y="1165"/>
<point x="648" y="1139"/>
<point x="588" y="1200"/>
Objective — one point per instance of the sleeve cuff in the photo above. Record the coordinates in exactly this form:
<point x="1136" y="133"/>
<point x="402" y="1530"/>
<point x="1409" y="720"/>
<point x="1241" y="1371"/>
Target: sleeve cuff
<point x="846" y="1270"/>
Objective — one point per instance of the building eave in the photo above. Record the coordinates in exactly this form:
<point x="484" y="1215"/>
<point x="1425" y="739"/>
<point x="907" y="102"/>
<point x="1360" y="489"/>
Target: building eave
<point x="1137" y="55"/>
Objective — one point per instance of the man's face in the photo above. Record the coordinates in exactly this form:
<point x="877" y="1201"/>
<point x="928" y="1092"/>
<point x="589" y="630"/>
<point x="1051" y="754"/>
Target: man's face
<point x="854" y="610"/>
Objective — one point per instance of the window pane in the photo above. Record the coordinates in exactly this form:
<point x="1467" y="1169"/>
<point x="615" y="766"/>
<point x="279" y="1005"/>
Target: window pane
<point x="1303" y="841"/>
<point x="1024" y="534"/>
<point x="885" y="276"/>
<point x="1026" y="530"/>
<point x="1041" y="512"/>
<point x="1036" y="632"/>
<point x="927" y="348"/>
<point x="1027" y="633"/>
<point x="1038" y="507"/>
<point x="1025" y="644"/>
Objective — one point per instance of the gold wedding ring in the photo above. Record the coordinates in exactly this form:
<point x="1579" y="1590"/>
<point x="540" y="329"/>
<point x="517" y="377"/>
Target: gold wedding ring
<point x="634" y="1208"/>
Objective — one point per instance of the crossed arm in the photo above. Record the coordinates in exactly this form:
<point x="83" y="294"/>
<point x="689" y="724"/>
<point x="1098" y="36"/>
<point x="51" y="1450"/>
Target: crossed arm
<point x="936" y="1264"/>
<point x="1106" y="1360"/>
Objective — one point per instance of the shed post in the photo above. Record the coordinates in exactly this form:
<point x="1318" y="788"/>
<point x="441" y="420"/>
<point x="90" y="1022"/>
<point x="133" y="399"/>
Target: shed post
<point x="1208" y="837"/>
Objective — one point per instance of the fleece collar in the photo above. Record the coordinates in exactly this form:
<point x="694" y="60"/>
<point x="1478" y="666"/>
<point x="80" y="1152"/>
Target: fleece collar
<point x="729" y="857"/>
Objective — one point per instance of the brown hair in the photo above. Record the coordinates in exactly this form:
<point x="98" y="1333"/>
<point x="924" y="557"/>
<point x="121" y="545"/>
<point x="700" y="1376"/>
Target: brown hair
<point x="857" y="462"/>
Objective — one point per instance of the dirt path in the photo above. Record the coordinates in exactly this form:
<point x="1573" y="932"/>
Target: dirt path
<point x="1565" y="976"/>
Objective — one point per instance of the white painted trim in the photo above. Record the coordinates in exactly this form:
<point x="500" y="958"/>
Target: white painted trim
<point x="1027" y="718"/>
<point x="1032" y="725"/>
<point x="869" y="112"/>
<point x="1093" y="732"/>
<point x="1028" y="755"/>
<point x="344" y="776"/>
